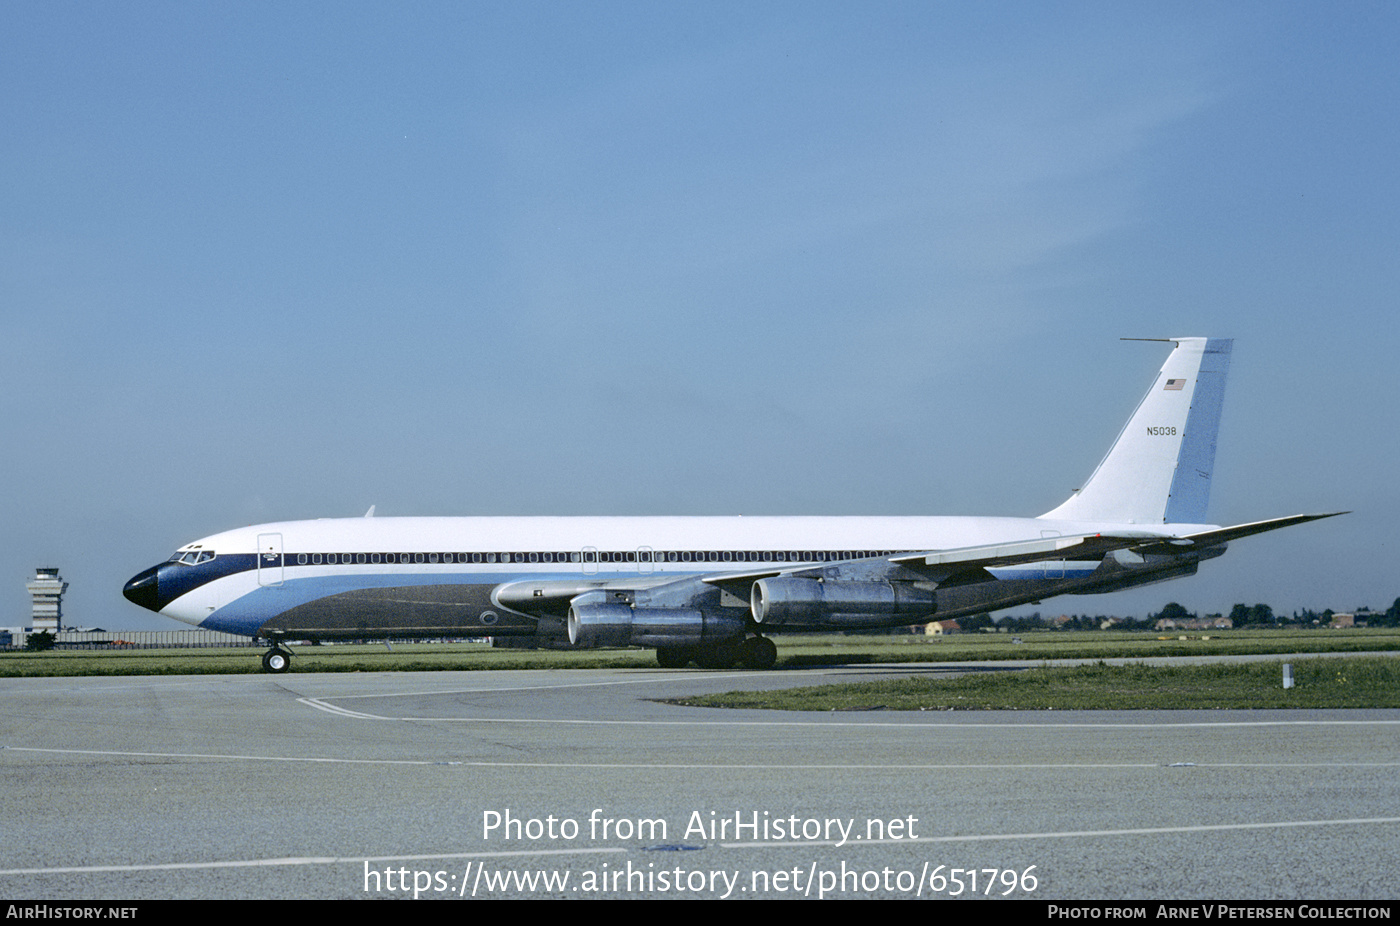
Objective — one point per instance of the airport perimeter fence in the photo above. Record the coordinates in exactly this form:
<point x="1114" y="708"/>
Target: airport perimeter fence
<point x="130" y="639"/>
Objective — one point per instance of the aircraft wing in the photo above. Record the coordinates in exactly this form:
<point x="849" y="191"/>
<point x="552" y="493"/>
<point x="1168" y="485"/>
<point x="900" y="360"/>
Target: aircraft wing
<point x="942" y="564"/>
<point x="739" y="583"/>
<point x="1226" y="534"/>
<point x="939" y="565"/>
<point x="1087" y="546"/>
<point x="968" y="564"/>
<point x="538" y="598"/>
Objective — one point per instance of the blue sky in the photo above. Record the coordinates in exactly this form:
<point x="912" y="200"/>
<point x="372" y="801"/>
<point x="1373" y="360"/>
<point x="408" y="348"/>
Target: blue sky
<point x="266" y="261"/>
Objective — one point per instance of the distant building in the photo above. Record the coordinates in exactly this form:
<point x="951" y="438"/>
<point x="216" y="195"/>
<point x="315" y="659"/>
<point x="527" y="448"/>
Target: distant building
<point x="47" y="588"/>
<point x="939" y="628"/>
<point x="16" y="637"/>
<point x="1214" y="622"/>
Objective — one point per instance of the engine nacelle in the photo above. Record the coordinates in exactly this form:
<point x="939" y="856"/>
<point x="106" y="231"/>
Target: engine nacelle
<point x="792" y="600"/>
<point x="596" y="621"/>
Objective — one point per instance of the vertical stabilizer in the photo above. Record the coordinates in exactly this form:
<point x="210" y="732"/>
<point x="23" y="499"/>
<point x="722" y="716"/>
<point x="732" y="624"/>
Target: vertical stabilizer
<point x="1159" y="469"/>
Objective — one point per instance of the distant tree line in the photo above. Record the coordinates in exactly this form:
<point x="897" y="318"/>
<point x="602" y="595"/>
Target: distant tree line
<point x="1241" y="615"/>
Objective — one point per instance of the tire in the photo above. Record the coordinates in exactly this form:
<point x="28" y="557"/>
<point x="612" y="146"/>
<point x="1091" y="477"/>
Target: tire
<point x="276" y="661"/>
<point x="758" y="653"/>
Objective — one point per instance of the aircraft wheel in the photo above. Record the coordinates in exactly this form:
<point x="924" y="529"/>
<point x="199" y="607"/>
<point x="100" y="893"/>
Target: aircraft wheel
<point x="276" y="660"/>
<point x="673" y="657"/>
<point x="716" y="656"/>
<point x="758" y="653"/>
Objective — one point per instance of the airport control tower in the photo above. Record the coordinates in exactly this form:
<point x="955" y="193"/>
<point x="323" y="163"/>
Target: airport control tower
<point x="47" y="588"/>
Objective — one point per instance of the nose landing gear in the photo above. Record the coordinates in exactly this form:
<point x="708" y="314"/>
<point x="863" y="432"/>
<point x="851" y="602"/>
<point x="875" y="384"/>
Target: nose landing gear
<point x="277" y="660"/>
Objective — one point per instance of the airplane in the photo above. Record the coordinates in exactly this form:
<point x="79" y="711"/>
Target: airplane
<point x="712" y="590"/>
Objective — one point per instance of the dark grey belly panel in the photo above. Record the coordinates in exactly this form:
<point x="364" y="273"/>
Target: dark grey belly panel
<point x="408" y="610"/>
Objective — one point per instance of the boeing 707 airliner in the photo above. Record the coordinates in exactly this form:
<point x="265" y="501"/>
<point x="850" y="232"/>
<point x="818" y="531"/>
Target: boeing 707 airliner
<point x="711" y="590"/>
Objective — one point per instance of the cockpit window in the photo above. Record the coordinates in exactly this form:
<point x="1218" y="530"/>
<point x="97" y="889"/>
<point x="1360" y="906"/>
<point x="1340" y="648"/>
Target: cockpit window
<point x="193" y="557"/>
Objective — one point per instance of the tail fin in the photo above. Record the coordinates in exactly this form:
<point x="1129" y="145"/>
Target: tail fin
<point x="1158" y="470"/>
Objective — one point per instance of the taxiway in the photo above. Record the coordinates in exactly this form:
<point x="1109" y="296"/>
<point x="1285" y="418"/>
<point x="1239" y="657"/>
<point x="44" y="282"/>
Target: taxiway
<point x="358" y="785"/>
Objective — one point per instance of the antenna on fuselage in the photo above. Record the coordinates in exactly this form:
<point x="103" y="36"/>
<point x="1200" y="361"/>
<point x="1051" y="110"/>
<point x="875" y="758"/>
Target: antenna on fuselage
<point x="370" y="513"/>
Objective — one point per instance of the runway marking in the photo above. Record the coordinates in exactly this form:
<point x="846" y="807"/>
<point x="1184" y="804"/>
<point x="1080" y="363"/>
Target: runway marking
<point x="658" y="676"/>
<point x="698" y="766"/>
<point x="1071" y="834"/>
<point x="600" y="850"/>
<point x="326" y="706"/>
<point x="339" y="711"/>
<point x="306" y="860"/>
<point x="223" y="756"/>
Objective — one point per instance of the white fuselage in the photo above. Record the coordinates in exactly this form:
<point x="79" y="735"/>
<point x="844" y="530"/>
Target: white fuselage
<point x="302" y="561"/>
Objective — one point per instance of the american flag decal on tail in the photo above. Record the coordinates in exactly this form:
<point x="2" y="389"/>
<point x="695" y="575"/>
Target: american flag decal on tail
<point x="1174" y="385"/>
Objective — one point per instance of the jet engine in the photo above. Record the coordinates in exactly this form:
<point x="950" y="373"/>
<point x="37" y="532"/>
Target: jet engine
<point x="594" y="620"/>
<point x="795" y="601"/>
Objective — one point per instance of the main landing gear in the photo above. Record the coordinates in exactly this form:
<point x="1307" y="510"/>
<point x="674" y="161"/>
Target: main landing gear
<point x="277" y="660"/>
<point x="752" y="653"/>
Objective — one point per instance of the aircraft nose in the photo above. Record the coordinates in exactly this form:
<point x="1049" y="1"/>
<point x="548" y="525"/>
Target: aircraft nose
<point x="143" y="589"/>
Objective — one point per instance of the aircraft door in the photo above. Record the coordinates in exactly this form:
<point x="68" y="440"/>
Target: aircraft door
<point x="1055" y="569"/>
<point x="270" y="559"/>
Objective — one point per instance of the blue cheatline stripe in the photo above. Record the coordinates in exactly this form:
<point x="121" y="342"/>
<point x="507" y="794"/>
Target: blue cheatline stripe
<point x="249" y="612"/>
<point x="1189" y="494"/>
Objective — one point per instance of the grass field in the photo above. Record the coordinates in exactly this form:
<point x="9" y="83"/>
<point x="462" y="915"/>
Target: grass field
<point x="1096" y="644"/>
<point x="793" y="652"/>
<point x="1360" y="682"/>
